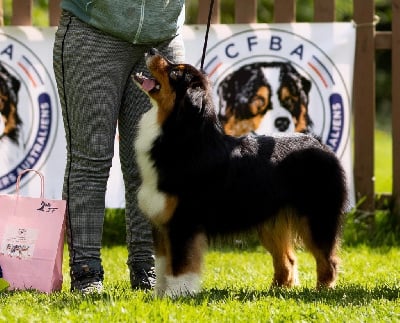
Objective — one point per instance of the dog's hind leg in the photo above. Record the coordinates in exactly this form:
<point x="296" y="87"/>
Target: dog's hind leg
<point x="186" y="256"/>
<point x="277" y="236"/>
<point x="324" y="251"/>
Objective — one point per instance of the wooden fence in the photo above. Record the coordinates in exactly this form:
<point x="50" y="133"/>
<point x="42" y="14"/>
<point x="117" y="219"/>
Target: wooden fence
<point x="368" y="41"/>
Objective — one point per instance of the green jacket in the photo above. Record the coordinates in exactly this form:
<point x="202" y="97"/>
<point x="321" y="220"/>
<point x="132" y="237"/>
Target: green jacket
<point x="136" y="21"/>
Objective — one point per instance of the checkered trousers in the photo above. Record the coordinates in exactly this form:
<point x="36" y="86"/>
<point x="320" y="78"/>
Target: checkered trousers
<point x="93" y="73"/>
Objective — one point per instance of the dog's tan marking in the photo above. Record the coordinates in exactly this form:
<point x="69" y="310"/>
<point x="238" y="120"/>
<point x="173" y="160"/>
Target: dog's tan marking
<point x="11" y="122"/>
<point x="284" y="93"/>
<point x="326" y="260"/>
<point x="239" y="127"/>
<point x="170" y="204"/>
<point x="165" y="97"/>
<point x="194" y="257"/>
<point x="278" y="237"/>
<point x="301" y="122"/>
<point x="260" y="101"/>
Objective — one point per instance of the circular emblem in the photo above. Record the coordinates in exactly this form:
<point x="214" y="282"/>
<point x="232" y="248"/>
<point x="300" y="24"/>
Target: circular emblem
<point x="274" y="80"/>
<point x="28" y="110"/>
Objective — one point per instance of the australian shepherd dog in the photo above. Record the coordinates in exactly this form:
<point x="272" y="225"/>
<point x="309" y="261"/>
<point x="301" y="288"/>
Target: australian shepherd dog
<point x="198" y="182"/>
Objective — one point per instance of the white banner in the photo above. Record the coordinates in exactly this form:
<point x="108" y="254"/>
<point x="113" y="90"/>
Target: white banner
<point x="266" y="78"/>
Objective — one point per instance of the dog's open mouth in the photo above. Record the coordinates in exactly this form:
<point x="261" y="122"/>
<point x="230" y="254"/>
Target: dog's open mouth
<point x="147" y="84"/>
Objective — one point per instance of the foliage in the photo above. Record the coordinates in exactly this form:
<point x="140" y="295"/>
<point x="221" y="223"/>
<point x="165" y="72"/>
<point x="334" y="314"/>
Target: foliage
<point x="359" y="229"/>
<point x="114" y="231"/>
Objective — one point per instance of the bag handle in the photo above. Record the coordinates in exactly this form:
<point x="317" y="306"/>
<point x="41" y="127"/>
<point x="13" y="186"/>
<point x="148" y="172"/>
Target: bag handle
<point x="41" y="180"/>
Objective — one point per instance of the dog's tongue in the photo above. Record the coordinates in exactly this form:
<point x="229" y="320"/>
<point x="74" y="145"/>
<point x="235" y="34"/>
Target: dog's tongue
<point x="148" y="84"/>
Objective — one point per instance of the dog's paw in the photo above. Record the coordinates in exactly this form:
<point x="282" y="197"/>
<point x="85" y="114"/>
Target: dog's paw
<point x="182" y="285"/>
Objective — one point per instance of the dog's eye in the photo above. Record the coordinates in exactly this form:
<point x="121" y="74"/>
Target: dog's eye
<point x="287" y="102"/>
<point x="175" y="74"/>
<point x="258" y="101"/>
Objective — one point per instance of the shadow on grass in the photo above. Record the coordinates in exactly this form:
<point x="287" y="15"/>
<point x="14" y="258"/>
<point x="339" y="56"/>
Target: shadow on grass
<point x="343" y="296"/>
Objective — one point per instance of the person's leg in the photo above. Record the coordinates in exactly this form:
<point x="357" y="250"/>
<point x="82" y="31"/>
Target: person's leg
<point x="91" y="69"/>
<point x="138" y="229"/>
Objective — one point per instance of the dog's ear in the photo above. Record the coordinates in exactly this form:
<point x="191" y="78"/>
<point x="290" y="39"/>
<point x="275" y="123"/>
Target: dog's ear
<point x="176" y="74"/>
<point x="306" y="84"/>
<point x="12" y="82"/>
<point x="16" y="84"/>
<point x="194" y="97"/>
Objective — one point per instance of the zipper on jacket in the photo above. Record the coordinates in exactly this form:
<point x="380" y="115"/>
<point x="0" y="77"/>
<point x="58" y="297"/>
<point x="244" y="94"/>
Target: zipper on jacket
<point x="140" y="22"/>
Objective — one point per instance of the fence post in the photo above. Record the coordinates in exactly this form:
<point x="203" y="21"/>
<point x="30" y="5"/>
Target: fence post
<point x="324" y="10"/>
<point x="1" y="14"/>
<point x="204" y="8"/>
<point x="284" y="11"/>
<point x="364" y="103"/>
<point x="54" y="12"/>
<point x="396" y="107"/>
<point x="22" y="12"/>
<point x="245" y="11"/>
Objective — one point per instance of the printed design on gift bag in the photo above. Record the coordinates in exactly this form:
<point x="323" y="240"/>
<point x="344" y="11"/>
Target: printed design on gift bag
<point x="46" y="207"/>
<point x="19" y="242"/>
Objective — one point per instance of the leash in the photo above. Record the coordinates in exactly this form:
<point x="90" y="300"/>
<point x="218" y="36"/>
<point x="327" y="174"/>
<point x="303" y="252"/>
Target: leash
<point x="203" y="56"/>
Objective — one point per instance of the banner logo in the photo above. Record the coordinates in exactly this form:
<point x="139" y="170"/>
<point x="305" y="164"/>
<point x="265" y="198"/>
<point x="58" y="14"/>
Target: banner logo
<point x="275" y="80"/>
<point x="28" y="111"/>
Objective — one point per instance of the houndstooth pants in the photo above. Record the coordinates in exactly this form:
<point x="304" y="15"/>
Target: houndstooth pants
<point x="93" y="73"/>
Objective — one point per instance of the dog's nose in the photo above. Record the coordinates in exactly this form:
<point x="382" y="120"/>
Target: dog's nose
<point x="152" y="51"/>
<point x="282" y="124"/>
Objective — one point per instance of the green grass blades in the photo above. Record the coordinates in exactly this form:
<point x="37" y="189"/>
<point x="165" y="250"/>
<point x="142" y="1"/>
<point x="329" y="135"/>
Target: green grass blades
<point x="235" y="289"/>
<point x="3" y="284"/>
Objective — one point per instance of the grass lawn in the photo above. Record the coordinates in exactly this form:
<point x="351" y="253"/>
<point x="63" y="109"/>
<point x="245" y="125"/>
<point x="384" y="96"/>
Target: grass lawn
<point x="235" y="289"/>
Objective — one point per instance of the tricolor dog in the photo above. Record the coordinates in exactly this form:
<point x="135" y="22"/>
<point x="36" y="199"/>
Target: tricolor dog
<point x="198" y="182"/>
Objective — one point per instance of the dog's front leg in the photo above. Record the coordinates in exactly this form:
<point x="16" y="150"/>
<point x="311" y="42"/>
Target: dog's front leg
<point x="186" y="255"/>
<point x="162" y="259"/>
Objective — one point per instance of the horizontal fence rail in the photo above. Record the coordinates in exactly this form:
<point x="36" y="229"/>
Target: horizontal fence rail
<point x="368" y="41"/>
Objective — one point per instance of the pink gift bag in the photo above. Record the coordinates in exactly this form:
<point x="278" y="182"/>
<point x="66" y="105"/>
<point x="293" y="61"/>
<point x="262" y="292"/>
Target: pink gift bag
<point x="32" y="240"/>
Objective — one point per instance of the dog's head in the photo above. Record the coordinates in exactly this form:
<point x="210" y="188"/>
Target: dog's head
<point x="180" y="92"/>
<point x="10" y="120"/>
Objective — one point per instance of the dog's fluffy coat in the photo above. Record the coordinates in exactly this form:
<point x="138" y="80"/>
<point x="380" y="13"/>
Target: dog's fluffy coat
<point x="199" y="182"/>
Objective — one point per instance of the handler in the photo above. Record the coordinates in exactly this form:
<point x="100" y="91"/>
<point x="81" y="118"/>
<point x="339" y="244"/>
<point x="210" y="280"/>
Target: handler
<point x="98" y="46"/>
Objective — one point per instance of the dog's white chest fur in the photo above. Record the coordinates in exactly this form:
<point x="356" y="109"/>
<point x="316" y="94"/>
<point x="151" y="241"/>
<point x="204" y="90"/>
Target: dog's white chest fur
<point x="151" y="200"/>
